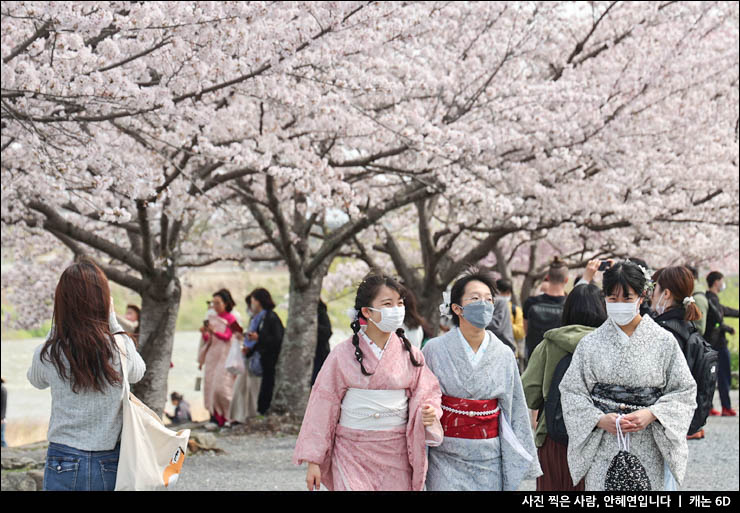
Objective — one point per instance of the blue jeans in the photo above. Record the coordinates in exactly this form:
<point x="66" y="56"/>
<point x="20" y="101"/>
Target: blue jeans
<point x="71" y="469"/>
<point x="3" y="435"/>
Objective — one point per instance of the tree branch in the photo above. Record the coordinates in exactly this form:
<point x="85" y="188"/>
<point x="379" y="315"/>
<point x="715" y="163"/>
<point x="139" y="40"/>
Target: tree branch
<point x="54" y="221"/>
<point x="42" y="31"/>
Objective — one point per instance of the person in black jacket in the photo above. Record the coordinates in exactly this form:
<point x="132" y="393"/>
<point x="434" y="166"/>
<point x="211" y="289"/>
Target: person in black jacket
<point x="675" y="310"/>
<point x="322" y="341"/>
<point x="269" y="338"/>
<point x="544" y="312"/>
<point x="715" y="335"/>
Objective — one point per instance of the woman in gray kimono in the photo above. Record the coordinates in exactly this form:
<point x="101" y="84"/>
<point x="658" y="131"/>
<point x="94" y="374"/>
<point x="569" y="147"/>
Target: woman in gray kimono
<point x="488" y="442"/>
<point x="631" y="371"/>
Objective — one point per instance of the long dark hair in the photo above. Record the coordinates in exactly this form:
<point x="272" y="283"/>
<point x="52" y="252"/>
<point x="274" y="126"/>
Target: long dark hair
<point x="585" y="305"/>
<point x="81" y="333"/>
<point x="366" y="293"/>
<point x="413" y="319"/>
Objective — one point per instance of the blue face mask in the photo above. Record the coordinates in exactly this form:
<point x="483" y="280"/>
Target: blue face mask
<point x="479" y="314"/>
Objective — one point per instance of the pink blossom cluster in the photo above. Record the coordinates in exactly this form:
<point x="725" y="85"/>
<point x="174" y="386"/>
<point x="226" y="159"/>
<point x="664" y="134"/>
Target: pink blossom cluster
<point x="175" y="134"/>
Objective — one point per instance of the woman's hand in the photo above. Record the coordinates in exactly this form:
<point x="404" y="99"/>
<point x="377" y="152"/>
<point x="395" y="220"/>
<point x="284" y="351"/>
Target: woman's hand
<point x="608" y="423"/>
<point x="638" y="420"/>
<point x="313" y="477"/>
<point x="428" y="415"/>
<point x="252" y="335"/>
<point x="591" y="269"/>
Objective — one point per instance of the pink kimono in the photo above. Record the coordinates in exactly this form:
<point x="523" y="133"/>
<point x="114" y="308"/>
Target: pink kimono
<point x="358" y="459"/>
<point x="218" y="382"/>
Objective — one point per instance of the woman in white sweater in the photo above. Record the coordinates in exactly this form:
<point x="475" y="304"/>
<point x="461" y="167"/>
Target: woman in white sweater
<point x="80" y="363"/>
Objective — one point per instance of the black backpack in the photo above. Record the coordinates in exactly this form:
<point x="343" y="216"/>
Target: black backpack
<point x="553" y="409"/>
<point x="541" y="317"/>
<point x="702" y="361"/>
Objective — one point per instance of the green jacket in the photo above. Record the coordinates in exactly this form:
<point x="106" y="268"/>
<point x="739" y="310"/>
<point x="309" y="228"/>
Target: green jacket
<point x="536" y="379"/>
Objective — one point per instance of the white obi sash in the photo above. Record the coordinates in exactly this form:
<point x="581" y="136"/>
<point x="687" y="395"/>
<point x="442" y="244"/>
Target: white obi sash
<point x="374" y="410"/>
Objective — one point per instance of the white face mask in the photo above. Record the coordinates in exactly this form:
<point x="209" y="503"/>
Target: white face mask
<point x="659" y="306"/>
<point x="623" y="313"/>
<point x="391" y="318"/>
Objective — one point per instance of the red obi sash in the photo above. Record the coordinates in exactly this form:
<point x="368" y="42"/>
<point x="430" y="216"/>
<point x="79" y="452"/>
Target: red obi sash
<point x="460" y="425"/>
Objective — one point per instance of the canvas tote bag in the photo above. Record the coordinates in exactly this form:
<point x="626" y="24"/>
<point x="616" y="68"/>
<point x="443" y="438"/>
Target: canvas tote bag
<point x="151" y="455"/>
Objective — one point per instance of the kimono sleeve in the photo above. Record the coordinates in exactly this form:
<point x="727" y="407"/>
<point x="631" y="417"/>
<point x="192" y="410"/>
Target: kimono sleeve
<point x="226" y="334"/>
<point x="674" y="411"/>
<point x="316" y="438"/>
<point x="580" y="414"/>
<point x="424" y="390"/>
<point x="427" y="391"/>
<point x="518" y="451"/>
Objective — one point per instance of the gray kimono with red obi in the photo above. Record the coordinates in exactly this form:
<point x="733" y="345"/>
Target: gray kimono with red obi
<point x="499" y="463"/>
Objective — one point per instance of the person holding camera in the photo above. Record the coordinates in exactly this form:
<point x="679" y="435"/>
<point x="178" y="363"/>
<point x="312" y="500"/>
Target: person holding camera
<point x="218" y="383"/>
<point x="80" y="362"/>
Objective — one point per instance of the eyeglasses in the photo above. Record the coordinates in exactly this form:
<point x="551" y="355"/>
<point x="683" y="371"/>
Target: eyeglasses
<point x="476" y="297"/>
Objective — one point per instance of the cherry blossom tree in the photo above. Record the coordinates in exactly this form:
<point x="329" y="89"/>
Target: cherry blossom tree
<point x="129" y="129"/>
<point x="159" y="136"/>
<point x="606" y="129"/>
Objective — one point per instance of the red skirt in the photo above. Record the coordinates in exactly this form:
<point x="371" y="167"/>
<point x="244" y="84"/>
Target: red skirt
<point x="555" y="472"/>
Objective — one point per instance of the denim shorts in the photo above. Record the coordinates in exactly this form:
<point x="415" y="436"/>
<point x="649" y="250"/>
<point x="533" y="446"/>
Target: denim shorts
<point x="70" y="469"/>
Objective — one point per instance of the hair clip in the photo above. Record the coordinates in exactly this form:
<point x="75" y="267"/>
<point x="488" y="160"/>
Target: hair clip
<point x="444" y="308"/>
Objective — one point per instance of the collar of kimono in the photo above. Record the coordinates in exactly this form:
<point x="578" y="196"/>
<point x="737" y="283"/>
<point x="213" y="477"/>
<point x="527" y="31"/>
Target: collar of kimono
<point x="470" y="418"/>
<point x="474" y="357"/>
<point x="375" y="347"/>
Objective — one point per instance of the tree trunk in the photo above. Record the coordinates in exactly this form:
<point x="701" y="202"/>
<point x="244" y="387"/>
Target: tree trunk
<point x="295" y="363"/>
<point x="429" y="300"/>
<point x="528" y="286"/>
<point x="159" y="307"/>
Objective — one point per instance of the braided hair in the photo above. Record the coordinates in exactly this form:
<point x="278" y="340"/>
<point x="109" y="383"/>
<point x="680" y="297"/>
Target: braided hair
<point x="366" y="293"/>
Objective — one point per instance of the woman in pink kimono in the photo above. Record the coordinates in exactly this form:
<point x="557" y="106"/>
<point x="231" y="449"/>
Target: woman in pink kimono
<point x="218" y="382"/>
<point x="375" y="406"/>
